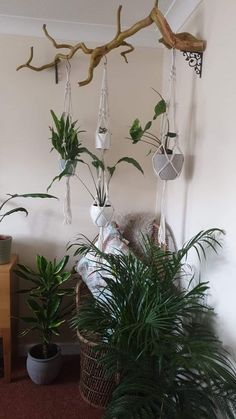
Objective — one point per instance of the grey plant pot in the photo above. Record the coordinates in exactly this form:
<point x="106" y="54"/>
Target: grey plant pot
<point x="71" y="168"/>
<point x="5" y="249"/>
<point x="168" y="167"/>
<point x="43" y="371"/>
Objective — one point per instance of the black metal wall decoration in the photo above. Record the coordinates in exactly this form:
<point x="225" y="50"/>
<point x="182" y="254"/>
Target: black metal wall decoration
<point x="194" y="60"/>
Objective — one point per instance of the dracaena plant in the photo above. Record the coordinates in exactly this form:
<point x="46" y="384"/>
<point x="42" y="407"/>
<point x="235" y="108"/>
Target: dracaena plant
<point x="4" y="213"/>
<point x="151" y="319"/>
<point x="139" y="134"/>
<point x="45" y="298"/>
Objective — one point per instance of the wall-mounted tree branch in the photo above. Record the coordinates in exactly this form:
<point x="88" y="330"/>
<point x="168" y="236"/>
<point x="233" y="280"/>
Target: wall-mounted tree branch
<point x="182" y="41"/>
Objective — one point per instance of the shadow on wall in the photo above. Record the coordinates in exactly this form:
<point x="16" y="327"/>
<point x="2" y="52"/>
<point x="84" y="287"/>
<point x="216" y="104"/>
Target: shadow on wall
<point x="190" y="141"/>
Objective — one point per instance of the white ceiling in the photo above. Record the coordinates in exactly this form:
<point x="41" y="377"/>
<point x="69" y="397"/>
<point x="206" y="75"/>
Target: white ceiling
<point x="88" y="20"/>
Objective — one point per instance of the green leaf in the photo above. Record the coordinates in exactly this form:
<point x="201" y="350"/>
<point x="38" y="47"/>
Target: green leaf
<point x="111" y="170"/>
<point x="132" y="161"/>
<point x="61" y="265"/>
<point x="19" y="209"/>
<point x="35" y="195"/>
<point x="136" y="131"/>
<point x="148" y="126"/>
<point x="160" y="108"/>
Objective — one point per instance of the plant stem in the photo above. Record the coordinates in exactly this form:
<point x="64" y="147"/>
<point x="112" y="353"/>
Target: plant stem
<point x="85" y="186"/>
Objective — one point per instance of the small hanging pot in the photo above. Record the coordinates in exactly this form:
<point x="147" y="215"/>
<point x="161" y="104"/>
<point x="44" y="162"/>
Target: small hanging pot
<point x="71" y="166"/>
<point x="101" y="216"/>
<point x="103" y="138"/>
<point x="167" y="166"/>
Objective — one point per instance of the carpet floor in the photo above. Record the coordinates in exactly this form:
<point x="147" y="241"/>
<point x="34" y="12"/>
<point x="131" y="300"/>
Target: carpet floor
<point x="22" y="399"/>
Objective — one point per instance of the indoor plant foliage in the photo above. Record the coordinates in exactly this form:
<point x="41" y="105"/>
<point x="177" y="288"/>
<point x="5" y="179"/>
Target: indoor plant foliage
<point x="45" y="300"/>
<point x="170" y="362"/>
<point x="167" y="161"/>
<point x="5" y="241"/>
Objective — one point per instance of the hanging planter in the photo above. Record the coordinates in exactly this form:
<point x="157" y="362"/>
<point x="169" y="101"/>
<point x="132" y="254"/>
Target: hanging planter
<point x="101" y="216"/>
<point x="103" y="134"/>
<point x="167" y="166"/>
<point x="69" y="165"/>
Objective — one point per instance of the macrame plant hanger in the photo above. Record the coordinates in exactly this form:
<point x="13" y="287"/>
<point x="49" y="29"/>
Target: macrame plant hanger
<point x="67" y="113"/>
<point x="167" y="166"/>
<point x="103" y="215"/>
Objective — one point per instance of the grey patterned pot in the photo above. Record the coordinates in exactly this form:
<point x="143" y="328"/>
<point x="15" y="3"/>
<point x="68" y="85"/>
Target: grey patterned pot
<point x="41" y="370"/>
<point x="167" y="166"/>
<point x="5" y="249"/>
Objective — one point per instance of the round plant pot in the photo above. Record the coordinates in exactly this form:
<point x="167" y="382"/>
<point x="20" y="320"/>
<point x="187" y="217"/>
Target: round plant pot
<point x="101" y="216"/>
<point x="168" y="166"/>
<point x="71" y="166"/>
<point x="41" y="370"/>
<point x="5" y="249"/>
<point x="103" y="141"/>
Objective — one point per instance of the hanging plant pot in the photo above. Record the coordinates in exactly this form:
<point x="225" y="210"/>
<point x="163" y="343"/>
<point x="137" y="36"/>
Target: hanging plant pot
<point x="101" y="216"/>
<point x="168" y="166"/>
<point x="44" y="370"/>
<point x="5" y="249"/>
<point x="71" y="166"/>
<point x="103" y="139"/>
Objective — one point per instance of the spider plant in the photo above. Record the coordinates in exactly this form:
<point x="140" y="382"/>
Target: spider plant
<point x="158" y="335"/>
<point x="139" y="134"/>
<point x="20" y="209"/>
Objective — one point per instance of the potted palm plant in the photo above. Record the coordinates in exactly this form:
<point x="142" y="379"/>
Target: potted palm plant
<point x="153" y="321"/>
<point x="167" y="159"/>
<point x="45" y="300"/>
<point x="6" y="241"/>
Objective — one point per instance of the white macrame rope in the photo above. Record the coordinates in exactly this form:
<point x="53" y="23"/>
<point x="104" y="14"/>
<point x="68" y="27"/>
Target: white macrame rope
<point x="171" y="106"/>
<point x="103" y="133"/>
<point x="67" y="203"/>
<point x="162" y="226"/>
<point x="67" y="113"/>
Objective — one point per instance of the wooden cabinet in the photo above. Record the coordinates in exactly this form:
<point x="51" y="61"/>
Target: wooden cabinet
<point x="7" y="288"/>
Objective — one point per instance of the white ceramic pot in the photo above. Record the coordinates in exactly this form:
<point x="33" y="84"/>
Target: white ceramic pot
<point x="168" y="166"/>
<point x="103" y="141"/>
<point x="71" y="167"/>
<point x="101" y="216"/>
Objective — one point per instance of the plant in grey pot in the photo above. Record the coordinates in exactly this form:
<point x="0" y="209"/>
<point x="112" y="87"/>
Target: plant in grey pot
<point x="45" y="300"/>
<point x="6" y="241"/>
<point x="153" y="319"/>
<point x="168" y="158"/>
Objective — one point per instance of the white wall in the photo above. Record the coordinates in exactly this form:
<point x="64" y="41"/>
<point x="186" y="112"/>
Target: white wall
<point x="25" y="162"/>
<point x="204" y="195"/>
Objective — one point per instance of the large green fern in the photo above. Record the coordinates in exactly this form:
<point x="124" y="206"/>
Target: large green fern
<point x="159" y="336"/>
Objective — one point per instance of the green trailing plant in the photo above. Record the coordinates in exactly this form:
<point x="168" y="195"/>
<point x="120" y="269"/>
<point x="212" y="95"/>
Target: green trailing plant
<point x="154" y="321"/>
<point x="45" y="298"/>
<point x="4" y="214"/>
<point x="139" y="134"/>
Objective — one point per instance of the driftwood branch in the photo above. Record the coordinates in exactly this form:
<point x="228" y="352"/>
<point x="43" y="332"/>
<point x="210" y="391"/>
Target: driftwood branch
<point x="182" y="41"/>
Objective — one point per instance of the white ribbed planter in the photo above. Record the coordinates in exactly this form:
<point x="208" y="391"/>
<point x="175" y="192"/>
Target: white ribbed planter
<point x="5" y="249"/>
<point x="103" y="141"/>
<point x="101" y="216"/>
<point x="168" y="166"/>
<point x="71" y="168"/>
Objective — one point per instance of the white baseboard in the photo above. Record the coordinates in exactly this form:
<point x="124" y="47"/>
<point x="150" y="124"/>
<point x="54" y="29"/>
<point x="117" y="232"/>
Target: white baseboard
<point x="67" y="348"/>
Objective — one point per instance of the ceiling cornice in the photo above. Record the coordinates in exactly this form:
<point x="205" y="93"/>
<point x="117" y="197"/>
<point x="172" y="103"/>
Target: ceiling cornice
<point x="177" y="14"/>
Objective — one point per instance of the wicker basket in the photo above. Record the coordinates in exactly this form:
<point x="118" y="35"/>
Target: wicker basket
<point x="95" y="387"/>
